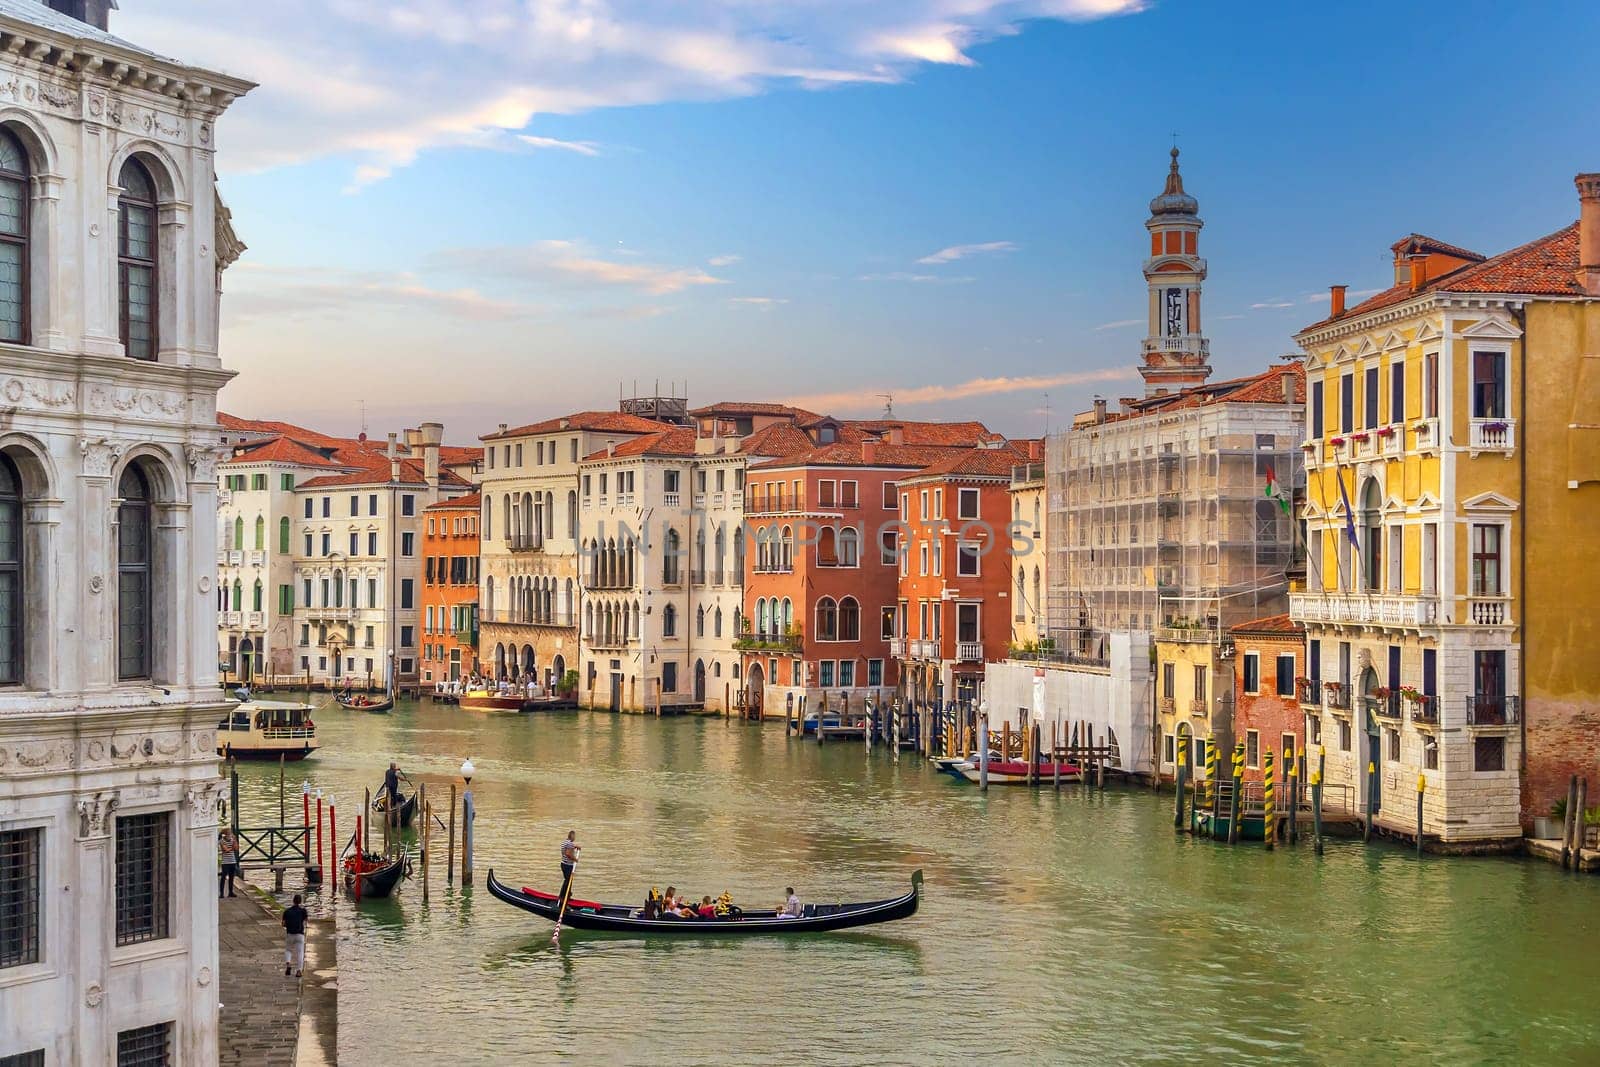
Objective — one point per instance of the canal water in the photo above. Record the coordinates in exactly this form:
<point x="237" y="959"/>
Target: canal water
<point x="1070" y="927"/>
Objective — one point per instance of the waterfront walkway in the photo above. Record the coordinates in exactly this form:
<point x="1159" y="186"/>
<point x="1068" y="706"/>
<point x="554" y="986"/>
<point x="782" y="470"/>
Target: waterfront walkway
<point x="267" y="1018"/>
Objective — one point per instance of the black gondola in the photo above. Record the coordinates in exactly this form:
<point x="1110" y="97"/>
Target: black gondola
<point x="379" y="876"/>
<point x="376" y="706"/>
<point x="589" y="915"/>
<point x="408" y="806"/>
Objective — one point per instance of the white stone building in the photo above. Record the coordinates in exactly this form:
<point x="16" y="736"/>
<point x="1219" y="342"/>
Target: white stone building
<point x="112" y="243"/>
<point x="358" y="561"/>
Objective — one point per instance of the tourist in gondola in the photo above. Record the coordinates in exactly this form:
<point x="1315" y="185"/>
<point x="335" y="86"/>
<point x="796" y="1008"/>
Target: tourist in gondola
<point x="706" y="910"/>
<point x="792" y="908"/>
<point x="569" y="860"/>
<point x="669" y="903"/>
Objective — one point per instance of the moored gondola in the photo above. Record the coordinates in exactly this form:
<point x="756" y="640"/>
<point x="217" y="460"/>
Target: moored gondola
<point x="623" y="918"/>
<point x="379" y="875"/>
<point x="408" y="806"/>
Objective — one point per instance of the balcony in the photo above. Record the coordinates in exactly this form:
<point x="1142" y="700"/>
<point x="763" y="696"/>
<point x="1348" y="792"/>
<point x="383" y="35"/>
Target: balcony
<point x="1308" y="691"/>
<point x="330" y="613"/>
<point x="224" y="497"/>
<point x="1363" y="444"/>
<point x="1198" y="708"/>
<point x="699" y="501"/>
<point x="697" y="576"/>
<point x="1358" y="609"/>
<point x="1187" y="343"/>
<point x="255" y="620"/>
<point x="235" y="557"/>
<point x="769" y="642"/>
<point x="1023" y="473"/>
<point x="1492" y="435"/>
<point x="781" y="567"/>
<point x="1489" y="611"/>
<point x="1338" y="695"/>
<point x="924" y="649"/>
<point x="222" y="558"/>
<point x="607" y="641"/>
<point x="228" y="619"/>
<point x="1427" y="431"/>
<point x="256" y="558"/>
<point x="1483" y="710"/>
<point x="624" y="500"/>
<point x="969" y="651"/>
<point x="467" y="637"/>
<point x="525" y="542"/>
<point x="897" y="648"/>
<point x="1425" y="712"/>
<point x="671" y="500"/>
<point x="736" y="499"/>
<point x="1187" y="635"/>
<point x="1385" y="707"/>
<point x="1391" y="440"/>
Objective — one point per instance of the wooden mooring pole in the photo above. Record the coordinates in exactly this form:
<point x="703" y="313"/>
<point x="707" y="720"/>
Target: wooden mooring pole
<point x="1316" y="801"/>
<point x="1573" y="816"/>
<point x="450" y="855"/>
<point x="1055" y="756"/>
<point x="427" y="817"/>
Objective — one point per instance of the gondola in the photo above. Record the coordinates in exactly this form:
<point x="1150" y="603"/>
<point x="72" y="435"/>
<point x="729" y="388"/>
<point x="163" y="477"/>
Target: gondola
<point x="623" y="918"/>
<point x="408" y="806"/>
<point x="375" y="706"/>
<point x="379" y="875"/>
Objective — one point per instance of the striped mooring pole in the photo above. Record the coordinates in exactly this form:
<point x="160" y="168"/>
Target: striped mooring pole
<point x="1211" y="773"/>
<point x="1269" y="830"/>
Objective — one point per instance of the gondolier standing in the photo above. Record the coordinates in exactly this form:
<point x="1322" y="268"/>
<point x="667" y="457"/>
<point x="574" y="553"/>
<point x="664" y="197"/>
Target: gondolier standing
<point x="569" y="861"/>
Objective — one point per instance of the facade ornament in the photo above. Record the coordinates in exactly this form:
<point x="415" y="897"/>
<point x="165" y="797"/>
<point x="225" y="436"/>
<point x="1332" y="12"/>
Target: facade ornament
<point x="93" y="995"/>
<point x="228" y="245"/>
<point x="130" y="401"/>
<point x="203" y="979"/>
<point x="100" y="455"/>
<point x="204" y="583"/>
<point x="94" y="815"/>
<point x="205" y="804"/>
<point x="96" y="583"/>
<point x="28" y="394"/>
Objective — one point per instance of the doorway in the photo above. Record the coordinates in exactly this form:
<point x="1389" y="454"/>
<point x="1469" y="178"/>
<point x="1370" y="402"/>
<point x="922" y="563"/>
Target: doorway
<point x="1372" y="757"/>
<point x="245" y="669"/>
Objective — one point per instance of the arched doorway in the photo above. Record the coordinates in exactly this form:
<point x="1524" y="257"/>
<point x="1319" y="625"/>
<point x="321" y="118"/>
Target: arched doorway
<point x="527" y="661"/>
<point x="558" y="671"/>
<point x="500" y="660"/>
<point x="1371" y="781"/>
<point x="699" y="681"/>
<point x="756" y="679"/>
<point x="246" y="664"/>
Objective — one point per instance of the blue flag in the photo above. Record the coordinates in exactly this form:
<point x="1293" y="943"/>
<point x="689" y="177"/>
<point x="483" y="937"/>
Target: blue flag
<point x="1349" y="513"/>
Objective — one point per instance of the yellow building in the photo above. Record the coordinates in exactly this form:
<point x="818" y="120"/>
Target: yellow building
<point x="1453" y="491"/>
<point x="1028" y="513"/>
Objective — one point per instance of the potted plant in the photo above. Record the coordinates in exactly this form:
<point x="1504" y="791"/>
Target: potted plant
<point x="567" y="687"/>
<point x="1495" y="427"/>
<point x="1360" y="435"/>
<point x="1336" y="442"/>
<point x="1550" y="826"/>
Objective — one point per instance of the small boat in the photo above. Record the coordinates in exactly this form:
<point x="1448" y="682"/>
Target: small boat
<point x="590" y="915"/>
<point x="408" y="806"/>
<point x="809" y="724"/>
<point x="360" y="702"/>
<point x="484" y="700"/>
<point x="379" y="875"/>
<point x="1015" y="772"/>
<point x="263" y="729"/>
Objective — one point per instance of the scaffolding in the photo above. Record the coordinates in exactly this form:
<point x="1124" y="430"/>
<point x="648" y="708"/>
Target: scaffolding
<point x="1162" y="519"/>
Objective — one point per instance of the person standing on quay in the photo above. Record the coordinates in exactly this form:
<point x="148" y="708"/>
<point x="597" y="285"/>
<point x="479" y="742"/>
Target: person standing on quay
<point x="294" y="937"/>
<point x="569" y="860"/>
<point x="228" y="857"/>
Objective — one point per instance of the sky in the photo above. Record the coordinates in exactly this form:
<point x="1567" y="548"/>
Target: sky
<point x="505" y="210"/>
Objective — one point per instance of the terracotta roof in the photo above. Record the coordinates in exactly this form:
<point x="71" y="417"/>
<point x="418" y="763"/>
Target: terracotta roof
<point x="1417" y="243"/>
<point x="278" y="450"/>
<point x="598" y="421"/>
<point x="372" y="468"/>
<point x="849" y="454"/>
<point x="283" y="429"/>
<point x="940" y="434"/>
<point x="455" y="455"/>
<point x="470" y="502"/>
<point x="977" y="462"/>
<point x="778" y="439"/>
<point x="1547" y="266"/>
<point x="1263" y="388"/>
<point x="678" y="441"/>
<point x="752" y="407"/>
<point x="1272" y="624"/>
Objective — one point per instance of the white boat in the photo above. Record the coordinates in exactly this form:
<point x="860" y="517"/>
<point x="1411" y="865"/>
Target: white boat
<point x="267" y="729"/>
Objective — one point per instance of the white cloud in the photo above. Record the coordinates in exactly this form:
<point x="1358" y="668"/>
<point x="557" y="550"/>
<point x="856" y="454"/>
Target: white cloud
<point x="376" y="82"/>
<point x="907" y="276"/>
<point x="867" y="397"/>
<point x="583" y="148"/>
<point x="256" y="292"/>
<point x="1119" y="324"/>
<point x="723" y="261"/>
<point x="955" y="252"/>
<point x="568" y="263"/>
<point x="765" y="303"/>
<point x="1268" y="305"/>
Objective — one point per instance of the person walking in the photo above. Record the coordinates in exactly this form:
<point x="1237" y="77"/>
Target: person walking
<point x="294" y="937"/>
<point x="228" y="858"/>
<point x="569" y="860"/>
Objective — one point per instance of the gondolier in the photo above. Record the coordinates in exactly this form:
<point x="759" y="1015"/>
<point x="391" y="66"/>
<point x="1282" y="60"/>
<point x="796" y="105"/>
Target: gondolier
<point x="391" y="784"/>
<point x="569" y="859"/>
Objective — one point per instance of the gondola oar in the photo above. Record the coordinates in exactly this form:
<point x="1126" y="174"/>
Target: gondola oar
<point x="561" y="908"/>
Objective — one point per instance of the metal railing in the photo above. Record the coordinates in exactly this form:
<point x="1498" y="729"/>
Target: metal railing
<point x="759" y="642"/>
<point x="1489" y="710"/>
<point x="1338" y="695"/>
<point x="273" y="846"/>
<point x="1425" y="712"/>
<point x="1308" y="691"/>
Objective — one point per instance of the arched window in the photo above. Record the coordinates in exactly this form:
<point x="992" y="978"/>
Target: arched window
<point x="1372" y="534"/>
<point x="1037" y="604"/>
<point x="669" y="621"/>
<point x="488" y="597"/>
<point x="634" y="632"/>
<point x="827" y="619"/>
<point x="849" y="619"/>
<point x="761" y="615"/>
<point x="238" y="532"/>
<point x="738" y="553"/>
<point x="572" y="514"/>
<point x="255" y="597"/>
<point x="827" y="547"/>
<point x="716" y="624"/>
<point x="738" y="620"/>
<point x="669" y="558"/>
<point x="338" y="589"/>
<point x="785" y="622"/>
<point x="261" y="533"/>
<point x="134" y="637"/>
<point x="720" y="560"/>
<point x="11" y="628"/>
<point x="786" y="550"/>
<point x="283" y="534"/>
<point x="488" y="514"/>
<point x="137" y="238"/>
<point x="699" y="575"/>
<point x="700" y="622"/>
<point x="238" y="594"/>
<point x="849" y="547"/>
<point x="505" y="517"/>
<point x="14" y="203"/>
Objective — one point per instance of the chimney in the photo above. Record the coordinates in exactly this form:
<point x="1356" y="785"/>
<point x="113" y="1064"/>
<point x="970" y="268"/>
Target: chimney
<point x="502" y="428"/>
<point x="1287" y="380"/>
<point x="1099" y="410"/>
<point x="897" y="436"/>
<point x="869" y="451"/>
<point x="431" y="435"/>
<point x="413" y="441"/>
<point x="1336" y="300"/>
<point x="1589" y="232"/>
<point x="1419" y="271"/>
<point x="1035" y="451"/>
<point x="394" y="458"/>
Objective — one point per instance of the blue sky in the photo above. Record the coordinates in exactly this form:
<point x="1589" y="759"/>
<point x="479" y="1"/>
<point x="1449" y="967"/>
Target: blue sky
<point x="496" y="212"/>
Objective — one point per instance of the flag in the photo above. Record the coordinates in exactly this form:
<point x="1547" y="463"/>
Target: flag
<point x="1275" y="491"/>
<point x="1349" y="514"/>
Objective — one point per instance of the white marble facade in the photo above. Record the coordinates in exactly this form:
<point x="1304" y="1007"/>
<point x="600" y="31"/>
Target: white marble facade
<point x="109" y="696"/>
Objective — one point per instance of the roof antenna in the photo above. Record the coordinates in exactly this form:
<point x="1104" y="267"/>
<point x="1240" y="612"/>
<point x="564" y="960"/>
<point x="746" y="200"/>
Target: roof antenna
<point x="1047" y="414"/>
<point x="363" y="418"/>
<point x="888" y="405"/>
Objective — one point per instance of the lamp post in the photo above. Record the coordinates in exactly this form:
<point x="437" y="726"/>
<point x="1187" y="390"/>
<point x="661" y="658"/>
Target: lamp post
<point x="467" y="815"/>
<point x="393" y="681"/>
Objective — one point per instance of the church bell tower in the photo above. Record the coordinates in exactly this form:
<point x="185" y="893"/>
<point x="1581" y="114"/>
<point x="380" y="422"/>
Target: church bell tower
<point x="1175" y="354"/>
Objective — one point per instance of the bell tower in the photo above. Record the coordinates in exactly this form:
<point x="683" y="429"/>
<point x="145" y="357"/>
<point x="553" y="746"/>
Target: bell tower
<point x="1175" y="354"/>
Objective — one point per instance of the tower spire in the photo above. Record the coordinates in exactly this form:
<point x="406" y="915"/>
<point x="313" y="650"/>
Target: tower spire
<point x="1175" y="352"/>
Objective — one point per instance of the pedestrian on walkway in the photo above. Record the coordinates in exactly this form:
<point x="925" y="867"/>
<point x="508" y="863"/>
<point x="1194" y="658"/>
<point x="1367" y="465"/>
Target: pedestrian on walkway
<point x="228" y="857"/>
<point x="294" y="937"/>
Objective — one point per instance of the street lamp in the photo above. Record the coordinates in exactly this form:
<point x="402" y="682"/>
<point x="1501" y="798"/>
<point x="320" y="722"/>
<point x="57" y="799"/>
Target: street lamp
<point x="467" y="770"/>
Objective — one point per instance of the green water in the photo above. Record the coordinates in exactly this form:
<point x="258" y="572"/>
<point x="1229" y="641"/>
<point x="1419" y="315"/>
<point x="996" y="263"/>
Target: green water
<point x="1070" y="927"/>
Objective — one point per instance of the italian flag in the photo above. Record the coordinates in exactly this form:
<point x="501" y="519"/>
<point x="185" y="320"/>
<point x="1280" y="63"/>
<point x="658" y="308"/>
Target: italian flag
<point x="1275" y="491"/>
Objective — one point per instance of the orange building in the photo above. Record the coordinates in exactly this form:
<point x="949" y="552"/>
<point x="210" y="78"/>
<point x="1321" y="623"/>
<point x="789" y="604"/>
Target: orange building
<point x="1269" y="656"/>
<point x="448" y="607"/>
<point x="953" y="610"/>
